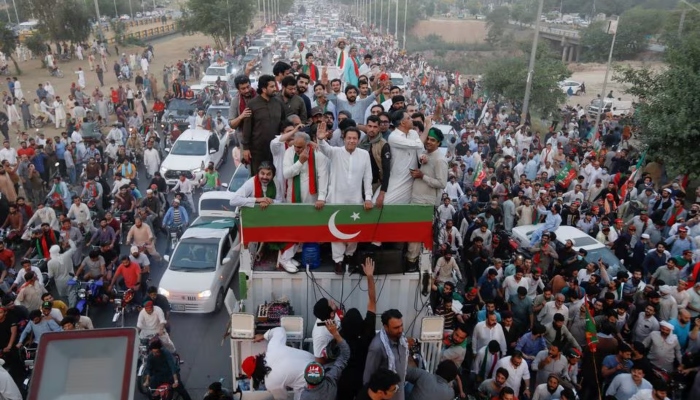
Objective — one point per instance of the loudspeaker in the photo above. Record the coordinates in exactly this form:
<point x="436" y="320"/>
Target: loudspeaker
<point x="389" y="258"/>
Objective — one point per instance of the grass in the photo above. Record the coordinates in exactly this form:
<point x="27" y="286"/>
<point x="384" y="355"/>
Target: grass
<point x="436" y="43"/>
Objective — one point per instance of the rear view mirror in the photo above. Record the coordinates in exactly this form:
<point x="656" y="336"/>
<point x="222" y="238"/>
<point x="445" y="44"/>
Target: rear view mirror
<point x="166" y="258"/>
<point x="212" y="151"/>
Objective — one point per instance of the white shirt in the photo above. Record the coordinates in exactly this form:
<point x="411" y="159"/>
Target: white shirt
<point x="278" y="148"/>
<point x="9" y="155"/>
<point x="76" y="137"/>
<point x="510" y="285"/>
<point x="546" y="315"/>
<point x="515" y="375"/>
<point x="293" y="168"/>
<point x="286" y="364"/>
<point x="245" y="195"/>
<point x="405" y="148"/>
<point x="81" y="213"/>
<point x="185" y="186"/>
<point x="8" y="387"/>
<point x="150" y="324"/>
<point x="644" y="394"/>
<point x="321" y="337"/>
<point x="483" y="335"/>
<point x="118" y="184"/>
<point x="19" y="279"/>
<point x="349" y="171"/>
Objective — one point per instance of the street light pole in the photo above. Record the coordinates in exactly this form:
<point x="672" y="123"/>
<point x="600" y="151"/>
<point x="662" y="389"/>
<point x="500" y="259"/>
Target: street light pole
<point x="388" y="16"/>
<point x="381" y="15"/>
<point x="396" y="23"/>
<point x="7" y="9"/>
<point x="405" y="17"/>
<point x="131" y="10"/>
<point x="605" y="81"/>
<point x="100" y="35"/>
<point x="228" y="9"/>
<point x="116" y="13"/>
<point x="16" y="14"/>
<point x="533" y="58"/>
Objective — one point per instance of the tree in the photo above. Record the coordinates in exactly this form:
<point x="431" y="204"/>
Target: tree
<point x="61" y="20"/>
<point x="37" y="44"/>
<point x="507" y="77"/>
<point x="667" y="112"/>
<point x="524" y="12"/>
<point x="497" y="21"/>
<point x="635" y="28"/>
<point x="211" y="17"/>
<point x="8" y="45"/>
<point x="474" y="7"/>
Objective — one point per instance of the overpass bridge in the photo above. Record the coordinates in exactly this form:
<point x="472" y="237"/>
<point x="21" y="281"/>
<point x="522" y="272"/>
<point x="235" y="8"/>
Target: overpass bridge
<point x="569" y="39"/>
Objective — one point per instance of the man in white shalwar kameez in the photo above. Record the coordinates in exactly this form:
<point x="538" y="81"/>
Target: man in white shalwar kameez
<point x="350" y="169"/>
<point x="306" y="181"/>
<point x="81" y="78"/>
<point x="151" y="158"/>
<point x="144" y="65"/>
<point x="406" y="146"/>
<point x="278" y="146"/>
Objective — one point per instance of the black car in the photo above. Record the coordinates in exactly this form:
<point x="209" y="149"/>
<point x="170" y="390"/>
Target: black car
<point x="178" y="111"/>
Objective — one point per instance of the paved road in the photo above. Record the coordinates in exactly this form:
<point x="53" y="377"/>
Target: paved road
<point x="198" y="338"/>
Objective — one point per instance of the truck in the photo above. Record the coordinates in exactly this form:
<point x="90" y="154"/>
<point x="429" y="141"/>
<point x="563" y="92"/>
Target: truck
<point x="618" y="107"/>
<point x="259" y="290"/>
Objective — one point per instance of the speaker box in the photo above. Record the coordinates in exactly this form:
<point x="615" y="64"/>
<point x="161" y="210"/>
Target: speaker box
<point x="389" y="258"/>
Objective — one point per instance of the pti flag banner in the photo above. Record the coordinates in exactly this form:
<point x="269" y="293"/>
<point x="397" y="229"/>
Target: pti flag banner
<point x="479" y="174"/>
<point x="566" y="175"/>
<point x="633" y="177"/>
<point x="338" y="223"/>
<point x="591" y="332"/>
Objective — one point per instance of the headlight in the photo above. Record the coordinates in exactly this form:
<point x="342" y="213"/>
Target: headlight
<point x="196" y="170"/>
<point x="204" y="295"/>
<point x="163" y="292"/>
<point x="163" y="170"/>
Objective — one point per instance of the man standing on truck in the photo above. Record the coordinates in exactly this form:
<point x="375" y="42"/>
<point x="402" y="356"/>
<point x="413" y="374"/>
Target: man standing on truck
<point x="428" y="181"/>
<point x="350" y="169"/>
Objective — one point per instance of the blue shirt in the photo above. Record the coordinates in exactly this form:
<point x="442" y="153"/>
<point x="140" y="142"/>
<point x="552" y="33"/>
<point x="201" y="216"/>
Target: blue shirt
<point x="481" y="316"/>
<point x="39" y="329"/>
<point x="611" y="362"/>
<point x="168" y="218"/>
<point x="531" y="346"/>
<point x="60" y="150"/>
<point x="488" y="288"/>
<point x="681" y="332"/>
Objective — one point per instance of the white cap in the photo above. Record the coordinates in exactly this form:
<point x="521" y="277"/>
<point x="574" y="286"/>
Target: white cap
<point x="667" y="325"/>
<point x="645" y="236"/>
<point x="134" y="249"/>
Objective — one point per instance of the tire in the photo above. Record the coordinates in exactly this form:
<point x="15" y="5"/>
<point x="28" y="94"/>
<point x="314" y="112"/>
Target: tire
<point x="59" y="74"/>
<point x="219" y="302"/>
<point x="139" y="382"/>
<point x="578" y="93"/>
<point x="38" y="123"/>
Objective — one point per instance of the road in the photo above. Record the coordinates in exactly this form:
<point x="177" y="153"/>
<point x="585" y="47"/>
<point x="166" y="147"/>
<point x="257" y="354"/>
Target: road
<point x="198" y="338"/>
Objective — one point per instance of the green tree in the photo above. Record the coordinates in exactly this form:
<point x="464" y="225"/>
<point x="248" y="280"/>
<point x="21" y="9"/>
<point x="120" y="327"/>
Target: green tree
<point x="8" y="45"/>
<point x="61" y="20"/>
<point x="507" y="77"/>
<point x="635" y="28"/>
<point x="497" y="21"/>
<point x="37" y="44"/>
<point x="667" y="112"/>
<point x="474" y="7"/>
<point x="212" y="17"/>
<point x="524" y="12"/>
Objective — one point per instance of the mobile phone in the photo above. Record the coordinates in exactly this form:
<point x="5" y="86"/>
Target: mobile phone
<point x="320" y="324"/>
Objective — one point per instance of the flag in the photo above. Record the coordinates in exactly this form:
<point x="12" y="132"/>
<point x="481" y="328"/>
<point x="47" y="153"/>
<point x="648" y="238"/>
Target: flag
<point x="633" y="177"/>
<point x="566" y="175"/>
<point x="479" y="174"/>
<point x="337" y="223"/>
<point x="591" y="332"/>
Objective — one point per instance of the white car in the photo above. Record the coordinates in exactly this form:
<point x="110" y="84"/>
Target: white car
<point x="204" y="260"/>
<point x="398" y="80"/>
<point x="193" y="150"/>
<point x="217" y="71"/>
<point x="575" y="87"/>
<point x="254" y="51"/>
<point x="596" y="250"/>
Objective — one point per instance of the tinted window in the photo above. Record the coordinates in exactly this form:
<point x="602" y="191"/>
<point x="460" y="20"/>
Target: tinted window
<point x="195" y="255"/>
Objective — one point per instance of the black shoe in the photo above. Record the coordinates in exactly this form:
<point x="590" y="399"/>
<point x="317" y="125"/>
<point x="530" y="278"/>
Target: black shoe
<point x="339" y="268"/>
<point x="412" y="266"/>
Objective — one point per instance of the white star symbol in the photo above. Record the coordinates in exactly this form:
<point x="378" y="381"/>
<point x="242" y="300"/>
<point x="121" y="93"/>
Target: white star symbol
<point x="355" y="216"/>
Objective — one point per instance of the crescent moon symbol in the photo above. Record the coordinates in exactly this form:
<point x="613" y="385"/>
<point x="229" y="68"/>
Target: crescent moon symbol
<point x="336" y="232"/>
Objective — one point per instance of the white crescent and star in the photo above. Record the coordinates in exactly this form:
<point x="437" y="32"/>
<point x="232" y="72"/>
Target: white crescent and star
<point x="336" y="232"/>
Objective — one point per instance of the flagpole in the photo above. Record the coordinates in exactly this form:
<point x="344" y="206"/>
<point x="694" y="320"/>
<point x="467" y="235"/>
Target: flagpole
<point x="607" y="73"/>
<point x="597" y="382"/>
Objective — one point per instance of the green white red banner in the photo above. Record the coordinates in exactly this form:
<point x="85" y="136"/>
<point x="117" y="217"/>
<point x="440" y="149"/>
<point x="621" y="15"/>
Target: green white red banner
<point x="303" y="223"/>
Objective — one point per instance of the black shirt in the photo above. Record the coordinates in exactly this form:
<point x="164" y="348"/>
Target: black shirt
<point x="351" y="377"/>
<point x="6" y="330"/>
<point x="362" y="394"/>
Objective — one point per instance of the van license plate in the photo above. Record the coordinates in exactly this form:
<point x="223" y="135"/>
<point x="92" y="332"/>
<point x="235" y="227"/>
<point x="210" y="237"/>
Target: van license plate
<point x="177" y="307"/>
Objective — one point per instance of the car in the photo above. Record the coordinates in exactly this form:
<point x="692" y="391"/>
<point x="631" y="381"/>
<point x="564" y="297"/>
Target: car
<point x="217" y="71"/>
<point x="398" y="80"/>
<point x="178" y="110"/>
<point x="213" y="110"/>
<point x="125" y="17"/>
<point x="575" y="87"/>
<point x="448" y="132"/>
<point x="205" y="259"/>
<point x="239" y="177"/>
<point x="254" y="50"/>
<point x="259" y="43"/>
<point x="596" y="250"/>
<point x="250" y="57"/>
<point x="193" y="150"/>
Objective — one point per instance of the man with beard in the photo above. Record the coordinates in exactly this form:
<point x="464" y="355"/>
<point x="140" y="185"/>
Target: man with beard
<point x="302" y="87"/>
<point x="429" y="179"/>
<point x="267" y="112"/>
<point x="293" y="104"/>
<point x="663" y="346"/>
<point x="239" y="111"/>
<point x="352" y="103"/>
<point x="380" y="158"/>
<point x="570" y="215"/>
<point x="548" y="390"/>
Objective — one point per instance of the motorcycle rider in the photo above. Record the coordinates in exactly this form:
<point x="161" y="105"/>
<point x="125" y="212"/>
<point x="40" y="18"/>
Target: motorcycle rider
<point x="141" y="234"/>
<point x="153" y="205"/>
<point x="92" y="268"/>
<point x="151" y="322"/>
<point x="93" y="191"/>
<point x="186" y="187"/>
<point x="125" y="202"/>
<point x="80" y="212"/>
<point x="41" y="215"/>
<point x="176" y="216"/>
<point x="70" y="232"/>
<point x="60" y="189"/>
<point x="26" y="267"/>
<point x="42" y="241"/>
<point x="210" y="180"/>
<point x="130" y="272"/>
<point x="161" y="368"/>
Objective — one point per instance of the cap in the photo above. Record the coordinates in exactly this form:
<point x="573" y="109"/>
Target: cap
<point x="177" y="201"/>
<point x="134" y="249"/>
<point x="316" y="111"/>
<point x="668" y="190"/>
<point x="314" y="373"/>
<point x="645" y="236"/>
<point x="682" y="229"/>
<point x="248" y="366"/>
<point x="46" y="304"/>
<point x="668" y="325"/>
<point x="149" y="191"/>
<point x="573" y="353"/>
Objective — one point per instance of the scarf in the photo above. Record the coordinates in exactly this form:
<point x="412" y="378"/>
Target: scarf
<point x="391" y="361"/>
<point x="341" y="60"/>
<point x="43" y="245"/>
<point x="312" y="71"/>
<point x="482" y="370"/>
<point x="674" y="215"/>
<point x="270" y="191"/>
<point x="356" y="66"/>
<point x="367" y="143"/>
<point x="694" y="276"/>
<point x="296" y="181"/>
<point x="126" y="169"/>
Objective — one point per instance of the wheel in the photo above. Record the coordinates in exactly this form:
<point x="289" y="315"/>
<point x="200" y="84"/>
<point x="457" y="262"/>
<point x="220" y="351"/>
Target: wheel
<point x="219" y="301"/>
<point x="59" y="74"/>
<point x="578" y="93"/>
<point x="38" y="123"/>
<point x="139" y="380"/>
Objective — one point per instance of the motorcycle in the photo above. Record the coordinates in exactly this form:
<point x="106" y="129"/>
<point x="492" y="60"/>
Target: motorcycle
<point x="123" y="304"/>
<point x="87" y="293"/>
<point x="174" y="233"/>
<point x="28" y="354"/>
<point x="141" y="366"/>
